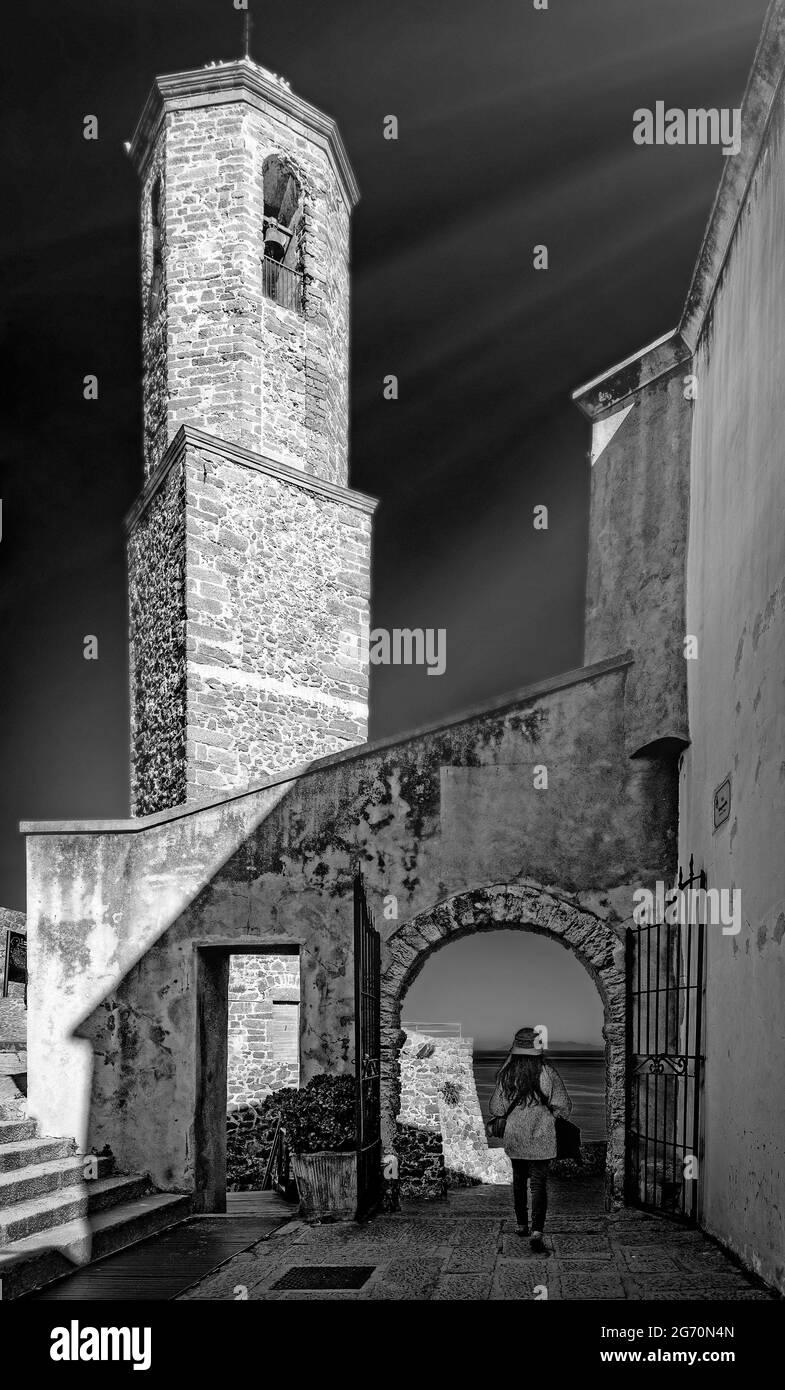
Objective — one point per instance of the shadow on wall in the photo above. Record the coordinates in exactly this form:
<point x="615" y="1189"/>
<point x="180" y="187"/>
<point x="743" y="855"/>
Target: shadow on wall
<point x="144" y="918"/>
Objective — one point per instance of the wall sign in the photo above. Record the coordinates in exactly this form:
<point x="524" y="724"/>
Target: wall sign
<point x="15" y="964"/>
<point x="722" y="803"/>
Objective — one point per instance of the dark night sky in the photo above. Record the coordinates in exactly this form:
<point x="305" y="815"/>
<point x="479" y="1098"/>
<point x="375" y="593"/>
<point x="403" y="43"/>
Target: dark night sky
<point x="515" y="129"/>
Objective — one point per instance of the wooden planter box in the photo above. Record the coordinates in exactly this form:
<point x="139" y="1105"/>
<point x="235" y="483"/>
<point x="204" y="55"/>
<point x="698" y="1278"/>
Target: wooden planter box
<point x="327" y="1184"/>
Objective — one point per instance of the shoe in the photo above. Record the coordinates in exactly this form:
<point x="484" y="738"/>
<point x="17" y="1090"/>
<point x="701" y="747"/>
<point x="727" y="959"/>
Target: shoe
<point x="537" y="1244"/>
<point x="521" y="1230"/>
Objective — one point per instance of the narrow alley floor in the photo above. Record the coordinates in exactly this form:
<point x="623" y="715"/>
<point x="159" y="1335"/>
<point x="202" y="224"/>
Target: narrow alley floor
<point x="467" y="1248"/>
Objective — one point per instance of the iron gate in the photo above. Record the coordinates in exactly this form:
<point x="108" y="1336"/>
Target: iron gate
<point x="665" y="984"/>
<point x="367" y="1052"/>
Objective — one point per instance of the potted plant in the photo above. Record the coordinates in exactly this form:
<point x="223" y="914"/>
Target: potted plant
<point x="320" y="1126"/>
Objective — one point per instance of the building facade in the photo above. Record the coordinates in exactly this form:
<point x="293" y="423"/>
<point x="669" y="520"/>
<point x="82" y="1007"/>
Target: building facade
<point x="702" y="412"/>
<point x="248" y="573"/>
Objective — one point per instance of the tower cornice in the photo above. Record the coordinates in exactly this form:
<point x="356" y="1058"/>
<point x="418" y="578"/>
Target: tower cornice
<point x="188" y="436"/>
<point x="242" y="80"/>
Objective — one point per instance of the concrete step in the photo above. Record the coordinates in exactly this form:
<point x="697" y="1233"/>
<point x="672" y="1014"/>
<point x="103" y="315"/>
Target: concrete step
<point x="24" y="1152"/>
<point x="13" y="1130"/>
<point x="13" y="1063"/>
<point x="38" y="1179"/>
<point x="107" y="1192"/>
<point x="64" y="1204"/>
<point x="32" y="1262"/>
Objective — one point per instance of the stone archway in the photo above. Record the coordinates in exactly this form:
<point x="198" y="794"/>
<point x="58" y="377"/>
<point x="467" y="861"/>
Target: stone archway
<point x="597" y="941"/>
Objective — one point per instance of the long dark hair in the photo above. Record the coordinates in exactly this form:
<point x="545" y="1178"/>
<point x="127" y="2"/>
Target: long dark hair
<point x="520" y="1076"/>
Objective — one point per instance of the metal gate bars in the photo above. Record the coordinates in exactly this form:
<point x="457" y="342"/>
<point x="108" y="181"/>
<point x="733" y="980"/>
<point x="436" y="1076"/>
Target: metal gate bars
<point x="665" y="961"/>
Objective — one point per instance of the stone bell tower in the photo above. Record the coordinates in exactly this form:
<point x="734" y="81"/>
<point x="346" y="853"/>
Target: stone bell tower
<point x="248" y="554"/>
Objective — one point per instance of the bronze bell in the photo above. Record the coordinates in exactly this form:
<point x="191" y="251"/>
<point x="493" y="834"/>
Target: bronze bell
<point x="276" y="241"/>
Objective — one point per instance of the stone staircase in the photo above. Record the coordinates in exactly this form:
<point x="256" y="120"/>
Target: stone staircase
<point x="60" y="1208"/>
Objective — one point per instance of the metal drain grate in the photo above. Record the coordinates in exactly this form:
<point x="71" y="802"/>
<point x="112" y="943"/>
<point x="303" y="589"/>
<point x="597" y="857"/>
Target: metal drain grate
<point x="325" y="1277"/>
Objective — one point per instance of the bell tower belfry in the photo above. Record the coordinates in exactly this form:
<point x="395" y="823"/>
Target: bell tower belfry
<point x="249" y="555"/>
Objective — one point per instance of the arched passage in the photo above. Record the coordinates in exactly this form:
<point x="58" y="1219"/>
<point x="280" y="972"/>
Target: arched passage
<point x="530" y="906"/>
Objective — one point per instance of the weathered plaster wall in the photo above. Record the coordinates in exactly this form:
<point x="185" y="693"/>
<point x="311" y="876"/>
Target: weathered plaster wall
<point x="120" y="918"/>
<point x="264" y="1026"/>
<point x="250" y="598"/>
<point x="218" y="353"/>
<point x="637" y="545"/>
<point x="736" y="607"/>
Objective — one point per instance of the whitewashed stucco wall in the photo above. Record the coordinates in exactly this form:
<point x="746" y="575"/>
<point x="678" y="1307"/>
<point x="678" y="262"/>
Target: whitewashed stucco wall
<point x="736" y="609"/>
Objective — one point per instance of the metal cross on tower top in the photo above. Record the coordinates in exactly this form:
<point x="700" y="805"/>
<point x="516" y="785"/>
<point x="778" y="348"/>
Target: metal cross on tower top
<point x="247" y="29"/>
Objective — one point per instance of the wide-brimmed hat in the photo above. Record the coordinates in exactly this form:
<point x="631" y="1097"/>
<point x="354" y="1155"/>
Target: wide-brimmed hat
<point x="524" y="1044"/>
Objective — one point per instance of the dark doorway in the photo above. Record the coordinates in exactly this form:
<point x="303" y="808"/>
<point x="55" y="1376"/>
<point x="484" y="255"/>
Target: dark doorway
<point x="269" y="1026"/>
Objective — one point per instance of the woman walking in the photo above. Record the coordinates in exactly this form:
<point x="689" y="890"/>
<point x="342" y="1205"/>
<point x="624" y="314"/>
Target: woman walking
<point x="529" y="1095"/>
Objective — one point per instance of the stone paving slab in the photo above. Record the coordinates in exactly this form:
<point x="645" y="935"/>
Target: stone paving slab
<point x="426" y="1238"/>
<point x="691" y="1293"/>
<point x="355" y="1255"/>
<point x="404" y="1279"/>
<point x="721" y="1285"/>
<point x="465" y="1250"/>
<point x="700" y="1262"/>
<point x="463" y="1287"/>
<point x="572" y="1226"/>
<point x="594" y="1247"/>
<point x="518" y="1279"/>
<point x="597" y="1289"/>
<point x="654" y="1262"/>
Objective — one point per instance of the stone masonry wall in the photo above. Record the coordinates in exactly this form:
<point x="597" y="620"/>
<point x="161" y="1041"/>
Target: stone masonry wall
<point x="439" y="1095"/>
<point x="278" y="584"/>
<point x="156" y="587"/>
<point x="155" y="315"/>
<point x="305" y="356"/>
<point x="264" y="664"/>
<point x="264" y="1018"/>
<point x="228" y="359"/>
<point x="423" y="1063"/>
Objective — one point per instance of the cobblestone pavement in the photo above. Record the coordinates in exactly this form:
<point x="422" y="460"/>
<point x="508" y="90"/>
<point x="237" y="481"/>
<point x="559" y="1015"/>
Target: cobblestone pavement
<point x="466" y="1248"/>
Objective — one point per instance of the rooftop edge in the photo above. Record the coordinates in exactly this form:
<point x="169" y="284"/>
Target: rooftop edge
<point x="498" y="704"/>
<point x="241" y="79"/>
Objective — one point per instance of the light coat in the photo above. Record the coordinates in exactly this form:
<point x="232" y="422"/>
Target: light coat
<point x="530" y="1131"/>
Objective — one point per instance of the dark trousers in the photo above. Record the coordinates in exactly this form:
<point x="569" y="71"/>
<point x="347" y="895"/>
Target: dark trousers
<point x="535" y="1171"/>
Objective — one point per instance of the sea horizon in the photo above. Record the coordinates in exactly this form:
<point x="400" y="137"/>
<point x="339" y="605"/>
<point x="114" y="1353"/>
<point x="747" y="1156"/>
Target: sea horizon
<point x="582" y="1069"/>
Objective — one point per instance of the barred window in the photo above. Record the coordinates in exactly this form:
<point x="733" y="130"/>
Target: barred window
<point x="282" y="274"/>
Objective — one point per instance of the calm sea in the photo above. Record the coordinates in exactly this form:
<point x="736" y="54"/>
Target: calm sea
<point x="583" y="1073"/>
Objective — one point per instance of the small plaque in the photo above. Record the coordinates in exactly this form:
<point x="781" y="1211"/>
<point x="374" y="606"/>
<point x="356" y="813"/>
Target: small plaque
<point x="722" y="803"/>
<point x="15" y="964"/>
